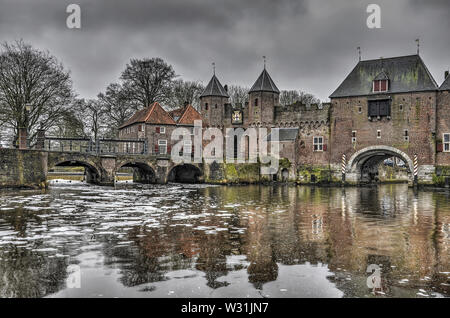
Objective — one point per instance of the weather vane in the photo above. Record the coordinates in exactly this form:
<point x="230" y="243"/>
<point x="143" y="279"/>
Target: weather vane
<point x="418" y="46"/>
<point x="264" y="58"/>
<point x="359" y="52"/>
<point x="214" y="68"/>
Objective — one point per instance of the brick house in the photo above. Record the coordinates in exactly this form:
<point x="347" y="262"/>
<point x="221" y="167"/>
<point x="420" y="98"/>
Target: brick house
<point x="388" y="105"/>
<point x="155" y="125"/>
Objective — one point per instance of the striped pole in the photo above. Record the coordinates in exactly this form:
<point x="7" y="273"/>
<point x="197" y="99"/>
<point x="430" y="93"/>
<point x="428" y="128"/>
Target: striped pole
<point x="343" y="167"/>
<point x="416" y="169"/>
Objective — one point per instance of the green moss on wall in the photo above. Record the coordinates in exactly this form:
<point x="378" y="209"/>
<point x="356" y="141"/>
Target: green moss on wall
<point x="321" y="174"/>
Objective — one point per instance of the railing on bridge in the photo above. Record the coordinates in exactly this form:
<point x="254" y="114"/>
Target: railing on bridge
<point x="99" y="146"/>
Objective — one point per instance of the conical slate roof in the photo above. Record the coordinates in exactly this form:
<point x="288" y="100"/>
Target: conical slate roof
<point x="264" y="83"/>
<point x="446" y="85"/>
<point x="214" y="88"/>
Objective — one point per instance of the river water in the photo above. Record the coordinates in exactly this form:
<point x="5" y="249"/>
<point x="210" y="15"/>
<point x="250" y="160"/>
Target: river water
<point x="79" y="240"/>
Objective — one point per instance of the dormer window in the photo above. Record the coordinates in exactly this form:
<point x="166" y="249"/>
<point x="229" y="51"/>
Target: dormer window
<point x="380" y="86"/>
<point x="381" y="83"/>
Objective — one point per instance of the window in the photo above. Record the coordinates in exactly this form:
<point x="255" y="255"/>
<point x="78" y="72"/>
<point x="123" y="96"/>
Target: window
<point x="400" y="107"/>
<point x="359" y="109"/>
<point x="353" y="136"/>
<point x="162" y="147"/>
<point x="215" y="106"/>
<point x="206" y="106"/>
<point x="162" y="130"/>
<point x="318" y="143"/>
<point x="256" y="102"/>
<point x="406" y="135"/>
<point x="380" y="86"/>
<point x="446" y="142"/>
<point x="141" y="128"/>
<point x="378" y="134"/>
<point x="379" y="108"/>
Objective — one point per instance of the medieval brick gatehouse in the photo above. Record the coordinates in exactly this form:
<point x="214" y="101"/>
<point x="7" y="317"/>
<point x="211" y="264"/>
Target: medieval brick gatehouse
<point x="384" y="108"/>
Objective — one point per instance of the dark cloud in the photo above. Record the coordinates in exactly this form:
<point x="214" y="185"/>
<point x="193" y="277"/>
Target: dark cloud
<point x="310" y="44"/>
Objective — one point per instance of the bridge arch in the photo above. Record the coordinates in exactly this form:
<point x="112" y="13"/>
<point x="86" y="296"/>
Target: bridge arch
<point x="363" y="164"/>
<point x="185" y="173"/>
<point x="92" y="172"/>
<point x="143" y="172"/>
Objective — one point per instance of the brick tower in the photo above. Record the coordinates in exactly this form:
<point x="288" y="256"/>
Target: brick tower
<point x="212" y="103"/>
<point x="263" y="97"/>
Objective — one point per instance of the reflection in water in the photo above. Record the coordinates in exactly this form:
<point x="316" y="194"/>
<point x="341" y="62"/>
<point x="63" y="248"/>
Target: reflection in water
<point x="210" y="241"/>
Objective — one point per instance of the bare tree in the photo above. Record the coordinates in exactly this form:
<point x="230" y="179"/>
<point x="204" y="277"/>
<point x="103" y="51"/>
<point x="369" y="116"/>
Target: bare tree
<point x="289" y="97"/>
<point x="148" y="80"/>
<point x="92" y="113"/>
<point x="293" y="96"/>
<point x="238" y="95"/>
<point x="184" y="92"/>
<point x="118" y="106"/>
<point x="69" y="125"/>
<point x="32" y="77"/>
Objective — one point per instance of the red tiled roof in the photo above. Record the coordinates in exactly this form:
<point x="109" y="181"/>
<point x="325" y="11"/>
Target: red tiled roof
<point x="154" y="114"/>
<point x="189" y="115"/>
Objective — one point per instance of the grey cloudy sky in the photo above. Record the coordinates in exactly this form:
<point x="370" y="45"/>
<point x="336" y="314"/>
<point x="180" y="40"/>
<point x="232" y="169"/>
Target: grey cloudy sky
<point x="310" y="44"/>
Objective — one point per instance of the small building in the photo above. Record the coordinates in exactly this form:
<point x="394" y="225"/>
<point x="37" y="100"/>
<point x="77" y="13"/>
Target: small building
<point x="155" y="125"/>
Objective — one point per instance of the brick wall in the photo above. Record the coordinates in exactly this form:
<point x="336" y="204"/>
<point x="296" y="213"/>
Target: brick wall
<point x="22" y="168"/>
<point x="214" y="115"/>
<point x="263" y="112"/>
<point x="414" y="112"/>
<point x="443" y="125"/>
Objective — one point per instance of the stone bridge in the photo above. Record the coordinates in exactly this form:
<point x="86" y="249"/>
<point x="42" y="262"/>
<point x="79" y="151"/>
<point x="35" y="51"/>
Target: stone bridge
<point x="30" y="167"/>
<point x="102" y="169"/>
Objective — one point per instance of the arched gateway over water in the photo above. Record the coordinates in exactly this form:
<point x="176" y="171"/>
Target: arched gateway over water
<point x="363" y="165"/>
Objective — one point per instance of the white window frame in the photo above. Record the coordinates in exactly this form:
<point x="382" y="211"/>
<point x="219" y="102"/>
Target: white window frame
<point x="162" y="143"/>
<point x="318" y="144"/>
<point x="162" y="130"/>
<point x="373" y="86"/>
<point x="445" y="143"/>
<point x="354" y="137"/>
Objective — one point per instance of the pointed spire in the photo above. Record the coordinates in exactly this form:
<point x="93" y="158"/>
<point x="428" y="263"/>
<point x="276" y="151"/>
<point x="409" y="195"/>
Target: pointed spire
<point x="214" y="88"/>
<point x="264" y="83"/>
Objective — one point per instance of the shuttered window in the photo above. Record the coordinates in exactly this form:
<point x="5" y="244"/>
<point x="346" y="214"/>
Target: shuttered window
<point x="379" y="108"/>
<point x="380" y="86"/>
